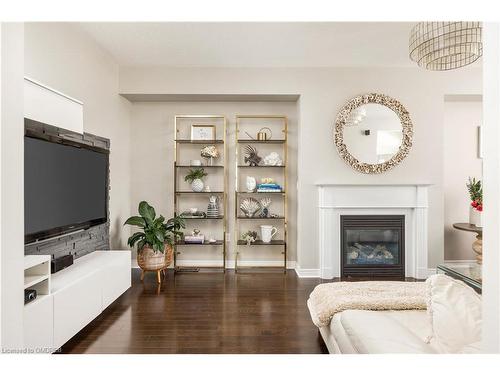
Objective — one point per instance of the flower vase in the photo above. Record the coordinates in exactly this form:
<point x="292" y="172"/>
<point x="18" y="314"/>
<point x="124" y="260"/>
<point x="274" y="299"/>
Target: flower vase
<point x="475" y="217"/>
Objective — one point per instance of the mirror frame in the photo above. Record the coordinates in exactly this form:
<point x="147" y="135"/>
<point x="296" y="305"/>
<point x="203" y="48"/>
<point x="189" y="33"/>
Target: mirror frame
<point x="404" y="118"/>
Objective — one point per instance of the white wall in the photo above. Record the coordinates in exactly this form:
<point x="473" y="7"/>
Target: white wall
<point x="12" y="187"/>
<point x="491" y="171"/>
<point x="462" y="116"/>
<point x="322" y="93"/>
<point x="60" y="56"/>
<point x="153" y="129"/>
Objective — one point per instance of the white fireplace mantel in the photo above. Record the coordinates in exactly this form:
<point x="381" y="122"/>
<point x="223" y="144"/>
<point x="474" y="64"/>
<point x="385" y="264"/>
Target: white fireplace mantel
<point x="410" y="200"/>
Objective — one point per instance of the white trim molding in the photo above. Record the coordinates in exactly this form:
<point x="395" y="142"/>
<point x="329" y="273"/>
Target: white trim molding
<point x="307" y="272"/>
<point x="290" y="264"/>
<point x="44" y="104"/>
<point x="399" y="199"/>
<point x="230" y="263"/>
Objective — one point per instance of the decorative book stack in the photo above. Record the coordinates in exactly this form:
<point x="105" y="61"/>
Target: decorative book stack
<point x="194" y="239"/>
<point x="269" y="188"/>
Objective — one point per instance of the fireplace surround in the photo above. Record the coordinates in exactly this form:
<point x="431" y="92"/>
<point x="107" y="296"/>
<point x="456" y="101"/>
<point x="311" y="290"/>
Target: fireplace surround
<point x="409" y="200"/>
<point x="372" y="245"/>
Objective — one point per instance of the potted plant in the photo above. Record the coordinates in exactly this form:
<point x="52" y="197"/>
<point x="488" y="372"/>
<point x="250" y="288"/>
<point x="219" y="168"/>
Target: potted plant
<point x="475" y="190"/>
<point x="155" y="238"/>
<point x="195" y="178"/>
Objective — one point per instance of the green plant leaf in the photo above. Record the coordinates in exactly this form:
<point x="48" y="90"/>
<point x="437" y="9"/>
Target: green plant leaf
<point x="156" y="231"/>
<point x="146" y="211"/>
<point x="136" y="221"/>
<point x="149" y="222"/>
<point x="160" y="236"/>
<point x="141" y="244"/>
<point x="150" y="237"/>
<point x="158" y="246"/>
<point x="134" y="238"/>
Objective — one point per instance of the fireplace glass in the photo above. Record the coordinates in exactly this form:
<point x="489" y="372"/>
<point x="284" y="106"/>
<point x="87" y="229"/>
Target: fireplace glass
<point x="372" y="246"/>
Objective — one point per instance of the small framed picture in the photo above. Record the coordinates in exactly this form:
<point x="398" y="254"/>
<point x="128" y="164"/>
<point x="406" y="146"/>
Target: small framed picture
<point x="202" y="132"/>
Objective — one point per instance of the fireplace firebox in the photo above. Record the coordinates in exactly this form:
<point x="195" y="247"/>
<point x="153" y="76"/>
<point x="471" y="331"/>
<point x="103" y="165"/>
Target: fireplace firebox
<point x="372" y="246"/>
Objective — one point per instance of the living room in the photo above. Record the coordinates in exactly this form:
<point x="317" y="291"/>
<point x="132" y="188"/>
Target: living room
<point x="317" y="188"/>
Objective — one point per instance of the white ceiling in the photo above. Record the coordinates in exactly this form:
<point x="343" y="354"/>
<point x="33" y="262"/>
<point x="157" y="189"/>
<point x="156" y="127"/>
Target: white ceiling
<point x="254" y="44"/>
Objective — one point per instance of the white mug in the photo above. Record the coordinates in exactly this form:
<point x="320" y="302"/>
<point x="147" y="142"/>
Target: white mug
<point x="267" y="232"/>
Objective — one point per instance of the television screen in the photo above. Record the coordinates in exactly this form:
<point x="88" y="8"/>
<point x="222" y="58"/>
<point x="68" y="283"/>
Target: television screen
<point x="65" y="188"/>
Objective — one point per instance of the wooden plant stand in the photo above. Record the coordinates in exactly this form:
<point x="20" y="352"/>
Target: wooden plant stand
<point x="155" y="263"/>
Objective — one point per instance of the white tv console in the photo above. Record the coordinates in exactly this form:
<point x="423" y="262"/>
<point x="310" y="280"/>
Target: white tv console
<point x="76" y="296"/>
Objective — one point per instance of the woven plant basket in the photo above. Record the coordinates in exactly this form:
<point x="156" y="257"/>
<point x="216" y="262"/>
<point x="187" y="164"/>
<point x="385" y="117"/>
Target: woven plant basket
<point x="149" y="260"/>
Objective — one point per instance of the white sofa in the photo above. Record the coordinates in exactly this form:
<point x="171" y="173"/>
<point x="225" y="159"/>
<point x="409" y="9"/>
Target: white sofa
<point x="359" y="331"/>
<point x="451" y="324"/>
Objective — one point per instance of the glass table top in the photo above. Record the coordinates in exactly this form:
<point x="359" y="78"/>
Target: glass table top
<point x="470" y="273"/>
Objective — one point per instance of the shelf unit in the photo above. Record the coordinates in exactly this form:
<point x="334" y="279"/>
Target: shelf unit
<point x="282" y="219"/>
<point x="179" y="170"/>
<point x="37" y="275"/>
<point x="38" y="314"/>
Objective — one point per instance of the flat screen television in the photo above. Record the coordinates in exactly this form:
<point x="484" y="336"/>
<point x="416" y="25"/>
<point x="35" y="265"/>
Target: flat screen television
<point x="65" y="186"/>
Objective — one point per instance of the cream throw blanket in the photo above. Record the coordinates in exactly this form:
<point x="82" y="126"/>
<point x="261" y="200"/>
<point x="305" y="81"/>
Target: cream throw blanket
<point x="331" y="298"/>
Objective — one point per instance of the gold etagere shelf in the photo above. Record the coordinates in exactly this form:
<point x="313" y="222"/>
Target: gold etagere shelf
<point x="282" y="218"/>
<point x="178" y="194"/>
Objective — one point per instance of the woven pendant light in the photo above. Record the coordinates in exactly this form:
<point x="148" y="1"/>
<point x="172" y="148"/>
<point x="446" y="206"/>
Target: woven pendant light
<point x="445" y="45"/>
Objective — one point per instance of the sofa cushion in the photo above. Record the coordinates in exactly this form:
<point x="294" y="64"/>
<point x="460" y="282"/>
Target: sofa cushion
<point x="378" y="332"/>
<point x="337" y="337"/>
<point x="455" y="315"/>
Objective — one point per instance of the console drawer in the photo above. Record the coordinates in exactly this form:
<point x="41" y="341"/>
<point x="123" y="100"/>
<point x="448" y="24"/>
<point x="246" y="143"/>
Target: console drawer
<point x="38" y="325"/>
<point x="116" y="279"/>
<point x="75" y="306"/>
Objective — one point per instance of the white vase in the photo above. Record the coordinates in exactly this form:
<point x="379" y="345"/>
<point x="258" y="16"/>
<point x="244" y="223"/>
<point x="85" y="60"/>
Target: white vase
<point x="197" y="185"/>
<point x="475" y="217"/>
<point x="251" y="184"/>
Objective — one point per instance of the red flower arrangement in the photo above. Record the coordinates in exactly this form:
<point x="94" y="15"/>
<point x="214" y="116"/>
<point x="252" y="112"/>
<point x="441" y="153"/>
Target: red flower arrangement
<point x="475" y="190"/>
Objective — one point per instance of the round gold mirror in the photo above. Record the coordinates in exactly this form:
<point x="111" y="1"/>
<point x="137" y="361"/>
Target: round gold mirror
<point x="373" y="133"/>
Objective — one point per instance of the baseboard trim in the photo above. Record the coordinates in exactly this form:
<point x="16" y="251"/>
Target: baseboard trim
<point x="290" y="265"/>
<point x="307" y="272"/>
<point x="230" y="263"/>
<point x="303" y="273"/>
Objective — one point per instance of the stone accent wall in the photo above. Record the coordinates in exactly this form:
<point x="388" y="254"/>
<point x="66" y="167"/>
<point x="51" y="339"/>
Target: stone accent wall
<point x="78" y="243"/>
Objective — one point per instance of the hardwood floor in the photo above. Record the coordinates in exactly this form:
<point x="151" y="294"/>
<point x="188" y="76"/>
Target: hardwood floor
<point x="206" y="313"/>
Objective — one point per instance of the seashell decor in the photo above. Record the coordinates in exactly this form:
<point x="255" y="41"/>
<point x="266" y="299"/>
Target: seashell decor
<point x="250" y="206"/>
